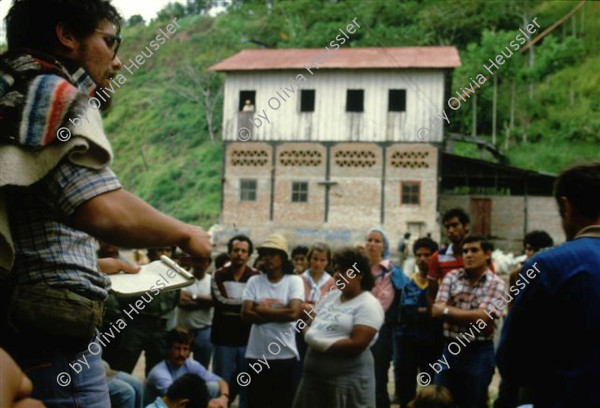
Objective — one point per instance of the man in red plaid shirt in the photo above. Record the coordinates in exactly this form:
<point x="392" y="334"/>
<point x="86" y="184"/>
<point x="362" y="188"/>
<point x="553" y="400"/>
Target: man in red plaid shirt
<point x="468" y="301"/>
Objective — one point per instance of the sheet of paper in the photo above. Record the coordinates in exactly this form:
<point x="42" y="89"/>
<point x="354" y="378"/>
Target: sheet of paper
<point x="155" y="275"/>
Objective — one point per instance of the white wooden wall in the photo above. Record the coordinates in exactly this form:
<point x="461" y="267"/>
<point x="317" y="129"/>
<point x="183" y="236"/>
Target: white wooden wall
<point x="330" y="121"/>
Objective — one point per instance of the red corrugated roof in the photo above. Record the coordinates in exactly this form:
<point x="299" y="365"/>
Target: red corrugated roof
<point x="343" y="58"/>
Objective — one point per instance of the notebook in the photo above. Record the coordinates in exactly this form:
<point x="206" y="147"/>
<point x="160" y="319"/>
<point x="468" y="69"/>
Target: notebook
<point x="164" y="275"/>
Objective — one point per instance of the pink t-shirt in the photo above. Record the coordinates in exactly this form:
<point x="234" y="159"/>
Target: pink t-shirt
<point x="383" y="289"/>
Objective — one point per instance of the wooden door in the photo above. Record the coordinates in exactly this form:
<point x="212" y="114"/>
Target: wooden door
<point x="481" y="211"/>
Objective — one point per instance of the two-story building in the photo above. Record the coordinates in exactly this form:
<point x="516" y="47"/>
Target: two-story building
<point x="322" y="146"/>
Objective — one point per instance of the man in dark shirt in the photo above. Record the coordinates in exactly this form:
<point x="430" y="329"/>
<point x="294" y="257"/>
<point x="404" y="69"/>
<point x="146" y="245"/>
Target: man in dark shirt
<point x="229" y="333"/>
<point x="418" y="336"/>
<point x="551" y="339"/>
<point x="457" y="224"/>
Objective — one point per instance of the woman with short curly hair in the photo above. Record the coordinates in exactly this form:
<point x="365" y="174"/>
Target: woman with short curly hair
<point x="338" y="369"/>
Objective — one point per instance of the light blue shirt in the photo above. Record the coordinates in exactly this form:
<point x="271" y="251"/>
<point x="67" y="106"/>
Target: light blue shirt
<point x="158" y="403"/>
<point x="164" y="374"/>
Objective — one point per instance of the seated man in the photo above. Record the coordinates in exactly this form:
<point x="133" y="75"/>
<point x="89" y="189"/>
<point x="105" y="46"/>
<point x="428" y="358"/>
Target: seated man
<point x="124" y="390"/>
<point x="188" y="391"/>
<point x="177" y="364"/>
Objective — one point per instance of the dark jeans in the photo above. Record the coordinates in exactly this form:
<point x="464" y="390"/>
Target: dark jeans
<point x="228" y="361"/>
<point x="125" y="391"/>
<point x="63" y="376"/>
<point x="202" y="347"/>
<point x="413" y="356"/>
<point x="508" y="395"/>
<point x="511" y="395"/>
<point x="273" y="387"/>
<point x="382" y="354"/>
<point x="470" y="373"/>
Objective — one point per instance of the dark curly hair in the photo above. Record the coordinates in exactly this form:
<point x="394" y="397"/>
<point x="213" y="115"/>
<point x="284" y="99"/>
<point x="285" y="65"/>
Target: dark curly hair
<point x="179" y="335"/>
<point x="191" y="387"/>
<point x="346" y="258"/>
<point x="425" y="243"/>
<point x="486" y="245"/>
<point x="538" y="240"/>
<point x="32" y="23"/>
<point x="581" y="186"/>
<point x="241" y="238"/>
<point x="300" y="250"/>
<point x="459" y="213"/>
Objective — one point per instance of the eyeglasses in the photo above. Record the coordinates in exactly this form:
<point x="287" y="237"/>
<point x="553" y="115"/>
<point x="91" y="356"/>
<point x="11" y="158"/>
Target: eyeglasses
<point x="113" y="41"/>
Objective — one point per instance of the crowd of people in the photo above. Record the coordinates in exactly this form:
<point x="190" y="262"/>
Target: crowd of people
<point x="312" y="327"/>
<point x="320" y="328"/>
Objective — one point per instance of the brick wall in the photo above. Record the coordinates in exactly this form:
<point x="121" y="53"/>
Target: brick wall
<point x="508" y="218"/>
<point x="354" y="199"/>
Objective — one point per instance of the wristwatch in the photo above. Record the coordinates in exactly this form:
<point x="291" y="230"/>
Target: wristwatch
<point x="445" y="311"/>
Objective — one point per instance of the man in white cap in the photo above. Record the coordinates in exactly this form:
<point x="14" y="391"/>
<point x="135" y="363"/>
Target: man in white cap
<point x="272" y="304"/>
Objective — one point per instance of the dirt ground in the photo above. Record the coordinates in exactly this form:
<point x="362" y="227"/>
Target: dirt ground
<point x="138" y="372"/>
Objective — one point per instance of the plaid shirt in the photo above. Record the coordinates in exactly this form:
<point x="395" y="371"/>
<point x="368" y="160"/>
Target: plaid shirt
<point x="456" y="291"/>
<point x="48" y="250"/>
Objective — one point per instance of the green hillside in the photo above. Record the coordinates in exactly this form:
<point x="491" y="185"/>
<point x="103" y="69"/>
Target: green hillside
<point x="160" y="131"/>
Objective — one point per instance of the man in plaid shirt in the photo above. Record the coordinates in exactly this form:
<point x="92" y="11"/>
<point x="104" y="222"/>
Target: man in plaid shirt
<point x="467" y="302"/>
<point x="59" y="194"/>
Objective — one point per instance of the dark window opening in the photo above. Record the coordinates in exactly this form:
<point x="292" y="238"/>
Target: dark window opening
<point x="247" y="96"/>
<point x="307" y="100"/>
<point x="247" y="190"/>
<point x="411" y="192"/>
<point x="299" y="192"/>
<point x="355" y="100"/>
<point x="397" y="100"/>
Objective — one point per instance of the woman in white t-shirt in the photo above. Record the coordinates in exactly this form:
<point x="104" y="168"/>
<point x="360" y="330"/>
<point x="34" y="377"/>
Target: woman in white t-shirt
<point x="272" y="304"/>
<point x="338" y="369"/>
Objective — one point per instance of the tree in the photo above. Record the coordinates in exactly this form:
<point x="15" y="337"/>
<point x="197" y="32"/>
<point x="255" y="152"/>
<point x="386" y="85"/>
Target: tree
<point x="197" y="7"/>
<point x="459" y="22"/>
<point x="204" y="88"/>
<point x="492" y="44"/>
<point x="471" y="65"/>
<point x="170" y="11"/>
<point x="136" y="19"/>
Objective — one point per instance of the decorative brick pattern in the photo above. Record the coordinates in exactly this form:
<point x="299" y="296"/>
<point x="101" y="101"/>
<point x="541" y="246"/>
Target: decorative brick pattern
<point x="349" y="158"/>
<point x="300" y="158"/>
<point x="249" y="157"/>
<point x="410" y="160"/>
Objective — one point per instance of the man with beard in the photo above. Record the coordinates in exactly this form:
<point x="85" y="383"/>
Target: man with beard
<point x="56" y="196"/>
<point x="177" y="364"/>
<point x="229" y="333"/>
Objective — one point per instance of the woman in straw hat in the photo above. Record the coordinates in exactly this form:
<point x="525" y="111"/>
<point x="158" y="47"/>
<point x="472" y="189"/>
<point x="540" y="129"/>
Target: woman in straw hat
<point x="272" y="304"/>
